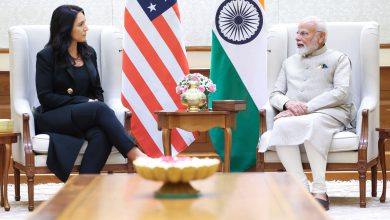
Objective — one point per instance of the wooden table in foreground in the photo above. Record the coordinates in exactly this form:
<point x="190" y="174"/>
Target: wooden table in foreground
<point x="197" y="121"/>
<point x="224" y="196"/>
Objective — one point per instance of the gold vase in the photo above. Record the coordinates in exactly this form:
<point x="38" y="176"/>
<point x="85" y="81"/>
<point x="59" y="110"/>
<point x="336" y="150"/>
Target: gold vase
<point x="193" y="99"/>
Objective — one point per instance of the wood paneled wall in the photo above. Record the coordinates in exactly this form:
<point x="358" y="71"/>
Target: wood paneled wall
<point x="4" y="95"/>
<point x="385" y="106"/>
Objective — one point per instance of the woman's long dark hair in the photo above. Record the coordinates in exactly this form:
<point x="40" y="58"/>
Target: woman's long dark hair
<point x="61" y="26"/>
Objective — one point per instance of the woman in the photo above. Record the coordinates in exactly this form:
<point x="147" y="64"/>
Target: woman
<point x="72" y="108"/>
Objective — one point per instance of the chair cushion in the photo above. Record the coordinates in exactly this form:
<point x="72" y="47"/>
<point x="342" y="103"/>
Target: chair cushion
<point x="114" y="158"/>
<point x="342" y="141"/>
<point x="40" y="144"/>
<point x="333" y="157"/>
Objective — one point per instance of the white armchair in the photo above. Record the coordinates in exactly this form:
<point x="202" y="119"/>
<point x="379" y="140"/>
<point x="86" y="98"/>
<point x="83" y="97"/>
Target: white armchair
<point x="30" y="153"/>
<point x="350" y="151"/>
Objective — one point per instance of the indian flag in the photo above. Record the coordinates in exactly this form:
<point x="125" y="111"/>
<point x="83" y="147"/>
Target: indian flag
<point x="238" y="68"/>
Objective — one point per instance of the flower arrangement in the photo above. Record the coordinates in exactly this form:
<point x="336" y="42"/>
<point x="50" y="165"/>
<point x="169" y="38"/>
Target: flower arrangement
<point x="206" y="85"/>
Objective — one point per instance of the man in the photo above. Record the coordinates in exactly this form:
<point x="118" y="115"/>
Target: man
<point x="312" y="94"/>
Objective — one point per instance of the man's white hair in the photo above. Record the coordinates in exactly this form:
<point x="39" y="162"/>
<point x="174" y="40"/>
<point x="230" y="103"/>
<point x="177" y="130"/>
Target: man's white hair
<point x="319" y="24"/>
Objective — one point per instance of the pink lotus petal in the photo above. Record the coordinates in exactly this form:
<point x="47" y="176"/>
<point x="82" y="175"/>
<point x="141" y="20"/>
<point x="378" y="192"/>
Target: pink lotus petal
<point x="168" y="159"/>
<point x="183" y="158"/>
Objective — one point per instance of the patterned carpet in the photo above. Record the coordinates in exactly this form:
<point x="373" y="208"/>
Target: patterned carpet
<point x="344" y="197"/>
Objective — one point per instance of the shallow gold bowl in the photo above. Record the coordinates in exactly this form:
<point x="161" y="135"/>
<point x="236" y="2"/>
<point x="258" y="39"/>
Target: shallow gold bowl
<point x="181" y="169"/>
<point x="6" y="125"/>
<point x="176" y="173"/>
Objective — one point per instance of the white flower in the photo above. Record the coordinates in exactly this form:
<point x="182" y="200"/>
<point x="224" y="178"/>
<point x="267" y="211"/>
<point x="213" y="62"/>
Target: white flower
<point x="206" y="85"/>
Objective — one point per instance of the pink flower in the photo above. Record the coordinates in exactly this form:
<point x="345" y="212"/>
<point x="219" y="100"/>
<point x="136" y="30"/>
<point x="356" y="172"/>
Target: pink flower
<point x="212" y="87"/>
<point x="205" y="84"/>
<point x="168" y="159"/>
<point x="201" y="88"/>
<point x="178" y="90"/>
<point x="183" y="159"/>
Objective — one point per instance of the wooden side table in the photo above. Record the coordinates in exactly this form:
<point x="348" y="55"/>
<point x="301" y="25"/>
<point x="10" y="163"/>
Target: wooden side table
<point x="384" y="134"/>
<point x="197" y="121"/>
<point x="6" y="140"/>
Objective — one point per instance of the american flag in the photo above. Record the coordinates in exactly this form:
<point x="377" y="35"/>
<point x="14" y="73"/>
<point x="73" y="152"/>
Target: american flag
<point x="154" y="60"/>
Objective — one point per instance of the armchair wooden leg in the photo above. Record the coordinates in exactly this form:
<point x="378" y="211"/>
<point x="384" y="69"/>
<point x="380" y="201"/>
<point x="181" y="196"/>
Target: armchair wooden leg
<point x="260" y="162"/>
<point x="30" y="186"/>
<point x="17" y="184"/>
<point x="362" y="186"/>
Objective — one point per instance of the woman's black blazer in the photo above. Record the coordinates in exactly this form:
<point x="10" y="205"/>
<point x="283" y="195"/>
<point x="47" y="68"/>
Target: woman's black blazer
<point x="55" y="82"/>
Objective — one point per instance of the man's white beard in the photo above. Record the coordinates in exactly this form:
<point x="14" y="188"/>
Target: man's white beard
<point x="310" y="48"/>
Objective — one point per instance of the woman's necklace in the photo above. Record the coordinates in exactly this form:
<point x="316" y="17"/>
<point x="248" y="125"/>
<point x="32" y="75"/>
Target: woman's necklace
<point x="77" y="59"/>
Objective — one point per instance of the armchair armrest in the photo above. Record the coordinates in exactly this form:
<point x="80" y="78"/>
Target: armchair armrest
<point x="127" y="125"/>
<point x="26" y="140"/>
<point x="22" y="106"/>
<point x="117" y="106"/>
<point x="21" y="114"/>
<point x="366" y="121"/>
<point x="369" y="104"/>
<point x="267" y="114"/>
<point x="122" y="113"/>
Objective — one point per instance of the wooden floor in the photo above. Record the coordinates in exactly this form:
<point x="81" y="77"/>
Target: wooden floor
<point x="4" y="95"/>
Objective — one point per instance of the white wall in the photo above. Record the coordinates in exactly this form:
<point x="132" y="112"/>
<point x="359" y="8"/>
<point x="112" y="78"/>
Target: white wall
<point x="4" y="62"/>
<point x="197" y="17"/>
<point x="197" y="14"/>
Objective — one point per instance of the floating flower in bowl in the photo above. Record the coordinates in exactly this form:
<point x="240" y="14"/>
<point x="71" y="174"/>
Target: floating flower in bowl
<point x="176" y="173"/>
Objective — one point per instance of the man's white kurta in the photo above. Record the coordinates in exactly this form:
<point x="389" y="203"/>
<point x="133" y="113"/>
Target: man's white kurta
<point x="322" y="80"/>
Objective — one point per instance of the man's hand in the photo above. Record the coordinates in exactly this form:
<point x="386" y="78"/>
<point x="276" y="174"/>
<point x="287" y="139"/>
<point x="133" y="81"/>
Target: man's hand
<point x="296" y="107"/>
<point x="282" y="114"/>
